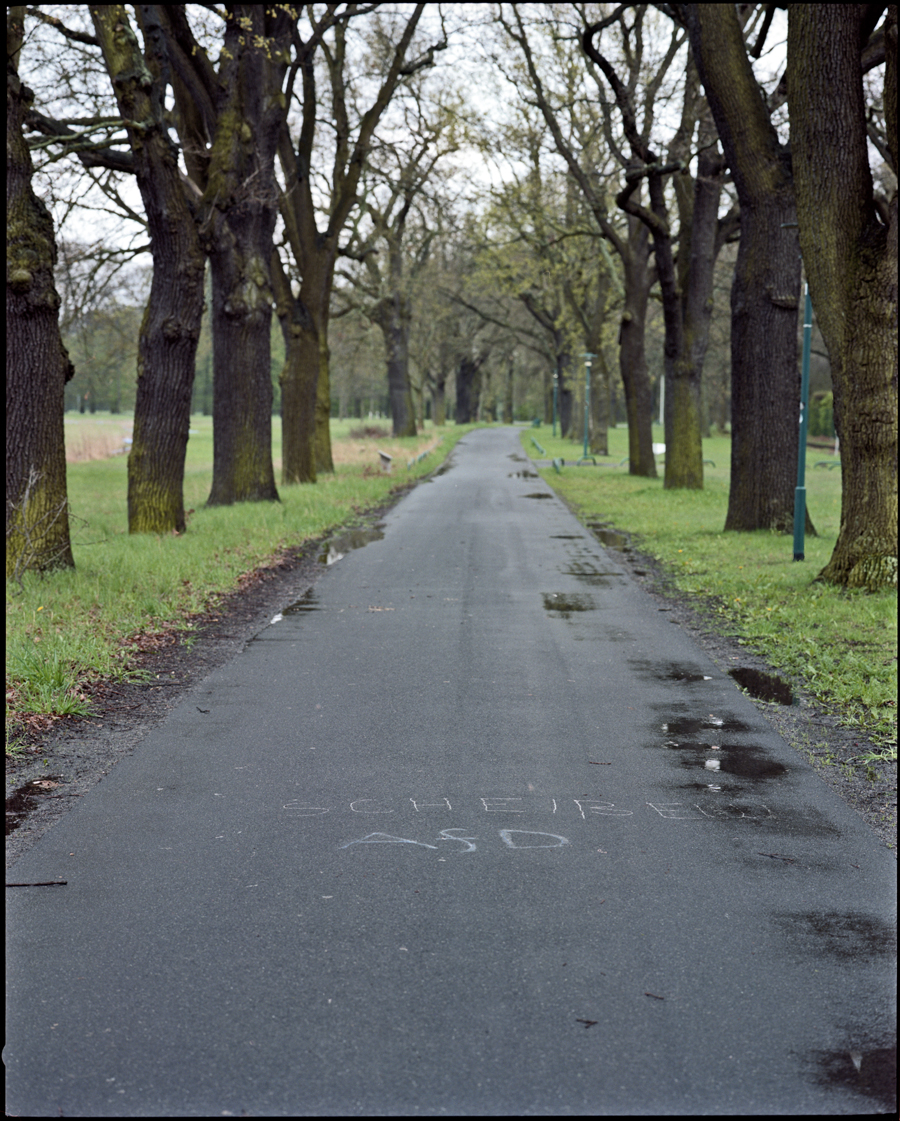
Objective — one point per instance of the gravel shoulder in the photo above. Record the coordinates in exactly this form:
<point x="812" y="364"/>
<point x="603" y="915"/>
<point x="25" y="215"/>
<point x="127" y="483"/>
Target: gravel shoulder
<point x="77" y="752"/>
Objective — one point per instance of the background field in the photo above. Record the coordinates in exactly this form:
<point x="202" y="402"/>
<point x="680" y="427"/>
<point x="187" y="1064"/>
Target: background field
<point x="73" y="626"/>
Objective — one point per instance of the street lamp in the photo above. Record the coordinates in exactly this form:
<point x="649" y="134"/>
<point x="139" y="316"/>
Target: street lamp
<point x="800" y="489"/>
<point x="555" y="393"/>
<point x="587" y="356"/>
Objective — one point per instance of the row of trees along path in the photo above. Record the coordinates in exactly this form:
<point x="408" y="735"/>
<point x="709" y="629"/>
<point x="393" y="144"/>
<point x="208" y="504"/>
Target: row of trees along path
<point x="261" y="105"/>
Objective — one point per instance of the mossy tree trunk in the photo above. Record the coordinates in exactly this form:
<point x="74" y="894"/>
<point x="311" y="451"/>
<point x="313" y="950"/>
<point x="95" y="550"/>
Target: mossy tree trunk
<point x="765" y="378"/>
<point x="37" y="364"/>
<point x="850" y="254"/>
<point x="171" y="326"/>
<point x="242" y="195"/>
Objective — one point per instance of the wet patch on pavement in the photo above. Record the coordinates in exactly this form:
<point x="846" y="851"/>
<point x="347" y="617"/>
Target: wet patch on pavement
<point x="690" y="725"/>
<point x="538" y="494"/>
<point x="741" y="760"/>
<point x="608" y="537"/>
<point x="848" y="934"/>
<point x="307" y="602"/>
<point x="867" y="1068"/>
<point x="670" y="671"/>
<point x="337" y="547"/>
<point x="763" y="686"/>
<point x="562" y="604"/>
<point x="22" y="800"/>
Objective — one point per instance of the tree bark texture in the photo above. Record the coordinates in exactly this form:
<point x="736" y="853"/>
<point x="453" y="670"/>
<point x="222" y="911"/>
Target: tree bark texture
<point x="699" y="248"/>
<point x="242" y="382"/>
<point x="638" y="280"/>
<point x="850" y="254"/>
<point x="566" y="397"/>
<point x="241" y="192"/>
<point x="394" y="323"/>
<point x="37" y="364"/>
<point x="171" y="325"/>
<point x="468" y="388"/>
<point x="765" y="395"/>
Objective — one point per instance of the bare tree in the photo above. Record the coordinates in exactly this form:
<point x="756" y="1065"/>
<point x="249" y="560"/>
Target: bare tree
<point x="306" y="394"/>
<point x="686" y="286"/>
<point x="400" y="210"/>
<point x="633" y="248"/>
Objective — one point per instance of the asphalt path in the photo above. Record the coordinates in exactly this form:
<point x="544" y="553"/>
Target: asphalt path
<point x="470" y="829"/>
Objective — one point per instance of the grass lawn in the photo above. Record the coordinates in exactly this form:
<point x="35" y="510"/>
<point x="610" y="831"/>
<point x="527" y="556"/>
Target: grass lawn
<point x="842" y="646"/>
<point x="70" y="626"/>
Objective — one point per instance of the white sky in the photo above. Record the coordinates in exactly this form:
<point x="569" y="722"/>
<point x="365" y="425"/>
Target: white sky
<point x="468" y="65"/>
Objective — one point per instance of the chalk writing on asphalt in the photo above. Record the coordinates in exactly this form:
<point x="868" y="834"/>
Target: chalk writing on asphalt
<point x="581" y="809"/>
<point x="512" y="838"/>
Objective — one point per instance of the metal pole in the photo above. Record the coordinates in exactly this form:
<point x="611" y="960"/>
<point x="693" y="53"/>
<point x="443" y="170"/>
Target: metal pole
<point x="800" y="491"/>
<point x="555" y="393"/>
<point x="587" y="399"/>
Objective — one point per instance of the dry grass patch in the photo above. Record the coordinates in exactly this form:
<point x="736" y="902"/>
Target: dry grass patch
<point x="97" y="438"/>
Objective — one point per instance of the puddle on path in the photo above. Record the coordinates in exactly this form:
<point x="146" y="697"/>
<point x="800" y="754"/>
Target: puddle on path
<point x="21" y="802"/>
<point x="523" y="475"/>
<point x="537" y="494"/>
<point x="745" y="761"/>
<point x="307" y="602"/>
<point x="870" y="1071"/>
<point x="763" y="686"/>
<point x="690" y="725"/>
<point x="670" y="671"/>
<point x="608" y="537"/>
<point x="567" y="537"/>
<point x="562" y="604"/>
<point x="342" y="543"/>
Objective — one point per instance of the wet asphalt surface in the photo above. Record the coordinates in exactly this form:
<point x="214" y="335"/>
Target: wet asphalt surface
<point x="471" y="828"/>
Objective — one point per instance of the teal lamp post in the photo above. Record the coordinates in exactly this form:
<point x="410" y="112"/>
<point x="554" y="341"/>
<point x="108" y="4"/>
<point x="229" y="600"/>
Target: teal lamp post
<point x="800" y="489"/>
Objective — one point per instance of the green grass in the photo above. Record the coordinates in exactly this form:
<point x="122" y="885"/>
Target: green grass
<point x="841" y="645"/>
<point x="73" y="626"/>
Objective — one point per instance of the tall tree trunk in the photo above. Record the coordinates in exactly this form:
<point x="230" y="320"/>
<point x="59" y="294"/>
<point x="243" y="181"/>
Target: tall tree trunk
<point x="170" y="330"/>
<point x="765" y="393"/>
<point x="850" y="253"/>
<point x="324" y="459"/>
<point x="468" y="388"/>
<point x="566" y="398"/>
<point x="37" y="363"/>
<point x="241" y="193"/>
<point x="699" y="242"/>
<point x="599" y="403"/>
<point x="393" y="319"/>
<point x="242" y="382"/>
<point x="638" y="281"/>
<point x="438" y="386"/>
<point x="699" y="245"/>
